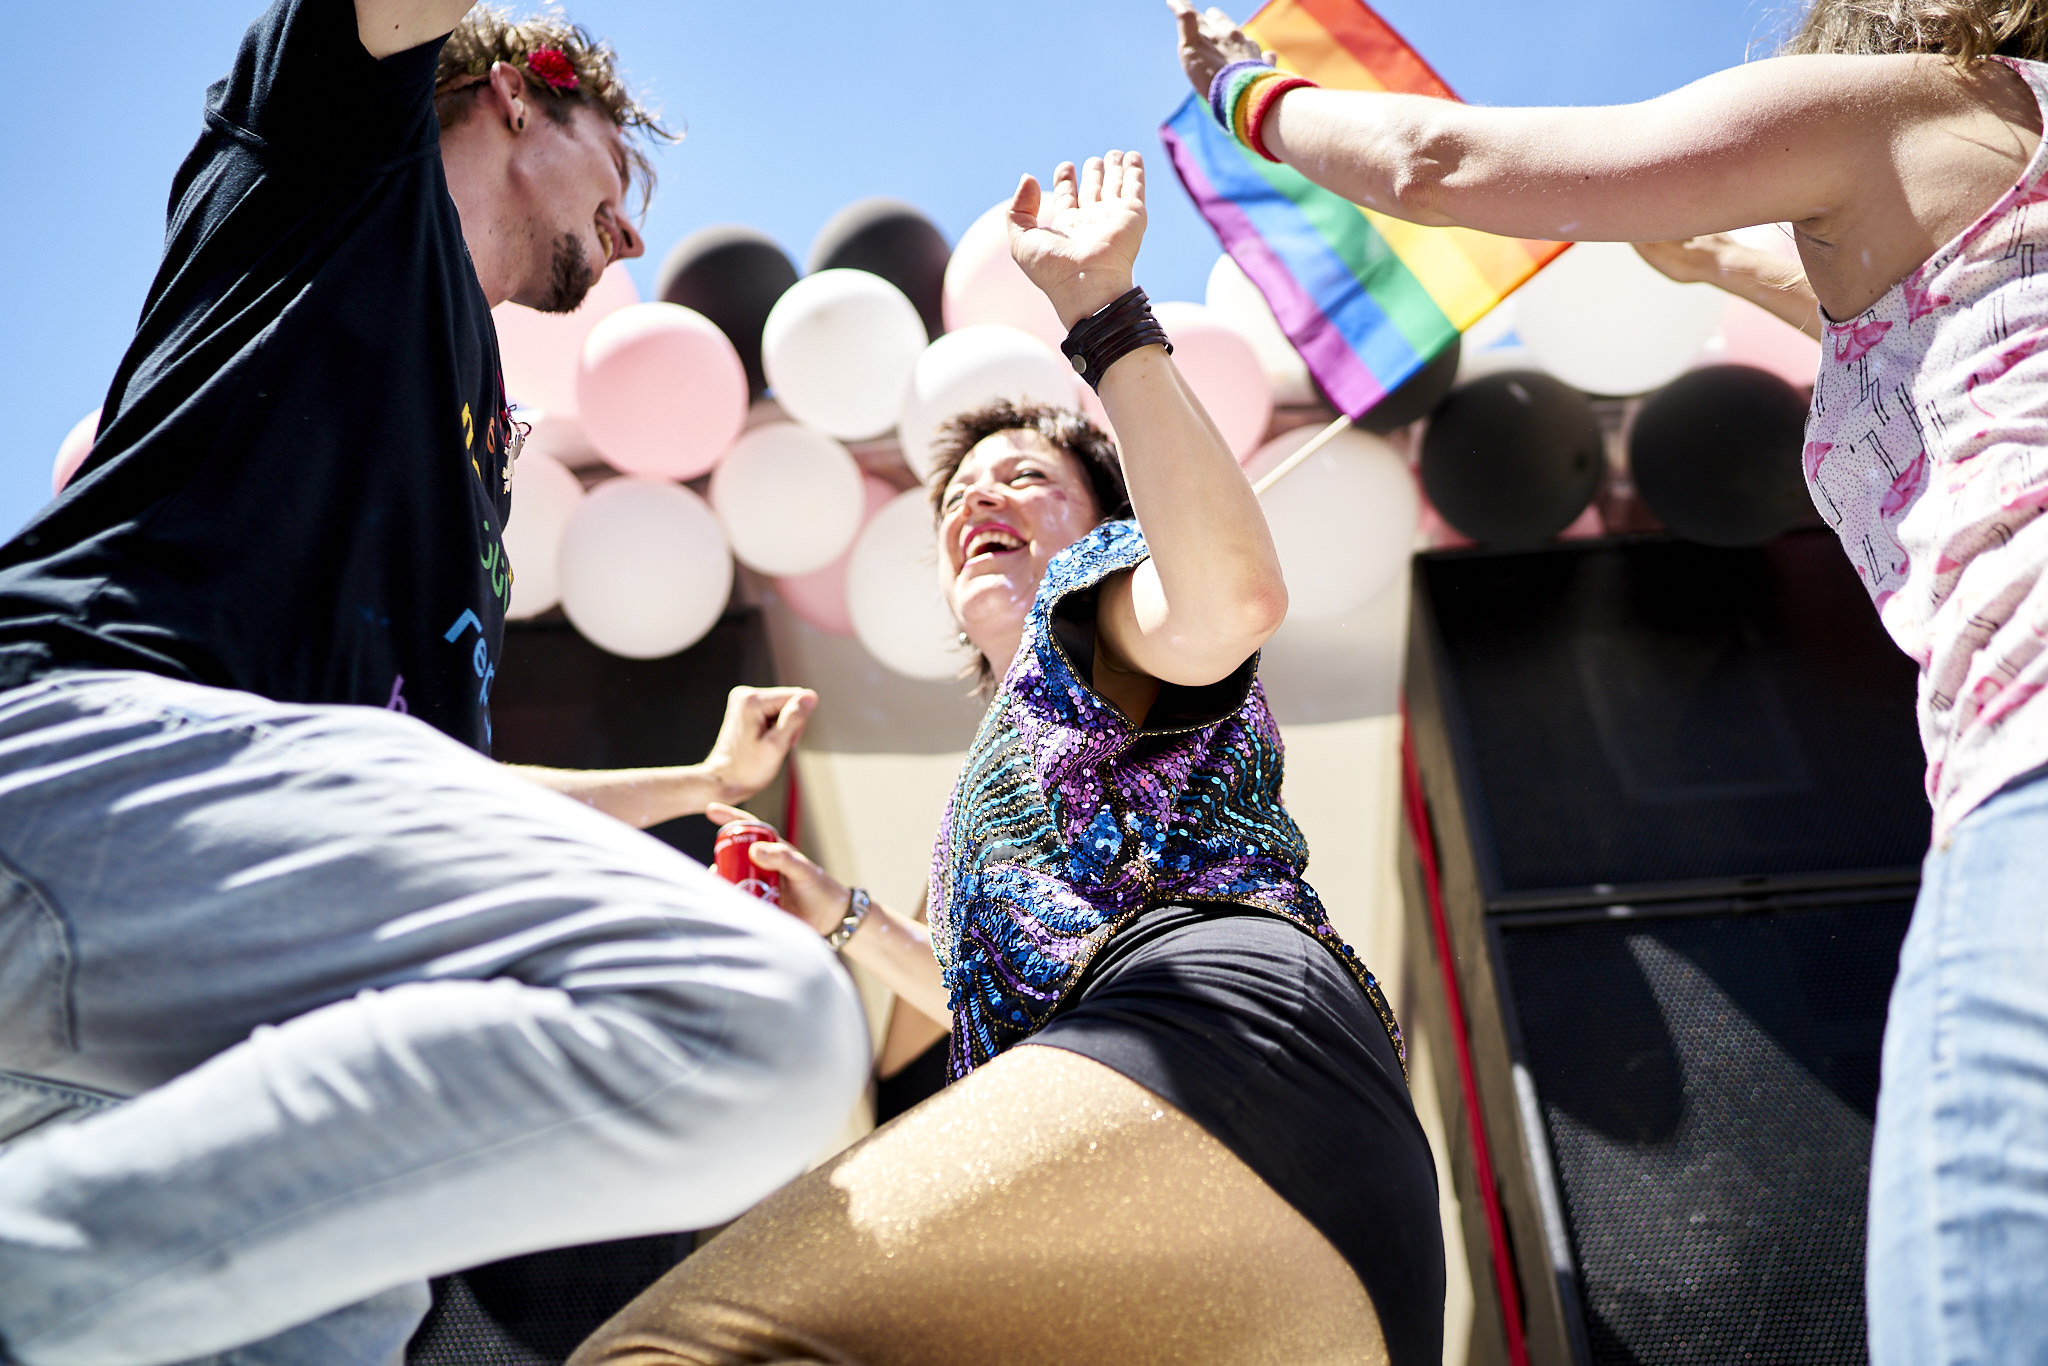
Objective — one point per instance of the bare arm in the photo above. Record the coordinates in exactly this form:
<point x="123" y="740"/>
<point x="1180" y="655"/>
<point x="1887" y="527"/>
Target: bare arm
<point x="1787" y="140"/>
<point x="910" y="1031"/>
<point x="391" y="26"/>
<point x="1876" y="160"/>
<point x="1770" y="282"/>
<point x="1211" y="593"/>
<point x="760" y="726"/>
<point x="891" y="945"/>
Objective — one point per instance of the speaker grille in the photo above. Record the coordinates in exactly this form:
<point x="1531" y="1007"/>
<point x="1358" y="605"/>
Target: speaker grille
<point x="1641" y="714"/>
<point x="1707" y="1087"/>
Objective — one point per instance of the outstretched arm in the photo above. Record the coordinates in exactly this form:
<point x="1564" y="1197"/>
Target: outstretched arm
<point x="1876" y="159"/>
<point x="896" y="948"/>
<point x="760" y="726"/>
<point x="390" y="26"/>
<point x="1776" y="285"/>
<point x="1211" y="593"/>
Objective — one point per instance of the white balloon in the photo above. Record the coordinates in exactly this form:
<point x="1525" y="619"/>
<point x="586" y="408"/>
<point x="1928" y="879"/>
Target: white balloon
<point x="838" y="348"/>
<point x="1223" y="370"/>
<point x="545" y="494"/>
<point x="1343" y="521"/>
<point x="984" y="283"/>
<point x="552" y="432"/>
<point x="892" y="590"/>
<point x="645" y="571"/>
<point x="1603" y="320"/>
<point x="963" y="370"/>
<point x="1233" y="297"/>
<point x="790" y="499"/>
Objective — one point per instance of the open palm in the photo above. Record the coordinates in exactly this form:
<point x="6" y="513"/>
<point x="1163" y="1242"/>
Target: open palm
<point x="1080" y="242"/>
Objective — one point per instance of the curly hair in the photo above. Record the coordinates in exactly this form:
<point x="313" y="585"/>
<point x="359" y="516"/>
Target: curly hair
<point x="488" y="35"/>
<point x="1962" y="30"/>
<point x="1064" y="428"/>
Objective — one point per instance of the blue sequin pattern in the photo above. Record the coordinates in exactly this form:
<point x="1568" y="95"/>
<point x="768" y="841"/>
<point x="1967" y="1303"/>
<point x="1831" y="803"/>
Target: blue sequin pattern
<point x="1067" y="821"/>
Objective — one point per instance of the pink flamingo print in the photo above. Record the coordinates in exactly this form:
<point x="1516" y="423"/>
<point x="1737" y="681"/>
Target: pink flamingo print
<point x="1858" y="341"/>
<point x="1815" y="455"/>
<point x="2001" y="364"/>
<point x="1921" y="300"/>
<point x="1996" y="701"/>
<point x="1905" y="488"/>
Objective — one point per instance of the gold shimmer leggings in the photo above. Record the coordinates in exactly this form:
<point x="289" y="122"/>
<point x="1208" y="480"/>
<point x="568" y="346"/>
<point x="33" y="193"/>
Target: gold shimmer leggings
<point x="1044" y="1210"/>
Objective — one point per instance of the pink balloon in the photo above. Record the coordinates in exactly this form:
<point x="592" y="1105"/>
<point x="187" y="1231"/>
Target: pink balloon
<point x="1223" y="370"/>
<point x="72" y="450"/>
<point x="1753" y="336"/>
<point x="660" y="391"/>
<point x="819" y="597"/>
<point x="984" y="285"/>
<point x="540" y="350"/>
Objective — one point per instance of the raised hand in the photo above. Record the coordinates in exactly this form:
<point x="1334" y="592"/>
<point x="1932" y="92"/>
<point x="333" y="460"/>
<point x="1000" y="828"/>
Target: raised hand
<point x="1080" y="242"/>
<point x="1209" y="42"/>
<point x="753" y="741"/>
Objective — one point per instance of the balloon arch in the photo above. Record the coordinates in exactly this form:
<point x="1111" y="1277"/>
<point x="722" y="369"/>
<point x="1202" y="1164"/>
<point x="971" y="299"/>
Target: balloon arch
<point x="785" y="420"/>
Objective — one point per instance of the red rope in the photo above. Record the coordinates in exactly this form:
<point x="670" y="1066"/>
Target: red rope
<point x="1419" y="828"/>
<point x="792" y="800"/>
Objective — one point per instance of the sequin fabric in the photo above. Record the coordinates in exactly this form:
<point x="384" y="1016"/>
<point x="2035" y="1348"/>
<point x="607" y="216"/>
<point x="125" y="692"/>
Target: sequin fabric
<point x="1067" y="821"/>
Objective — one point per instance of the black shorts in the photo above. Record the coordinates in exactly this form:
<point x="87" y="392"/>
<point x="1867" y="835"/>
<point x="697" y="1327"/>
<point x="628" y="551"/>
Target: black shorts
<point x="1257" y="1033"/>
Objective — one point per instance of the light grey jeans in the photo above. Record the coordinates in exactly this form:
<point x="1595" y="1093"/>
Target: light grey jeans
<point x="302" y="1005"/>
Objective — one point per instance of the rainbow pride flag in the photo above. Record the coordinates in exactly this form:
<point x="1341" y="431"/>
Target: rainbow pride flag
<point x="1368" y="300"/>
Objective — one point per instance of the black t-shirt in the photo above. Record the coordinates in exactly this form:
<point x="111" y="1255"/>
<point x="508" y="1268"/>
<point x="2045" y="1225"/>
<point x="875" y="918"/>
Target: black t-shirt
<point x="299" y="486"/>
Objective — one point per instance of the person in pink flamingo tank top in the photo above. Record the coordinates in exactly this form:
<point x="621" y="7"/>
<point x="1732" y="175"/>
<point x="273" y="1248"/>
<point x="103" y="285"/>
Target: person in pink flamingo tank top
<point x="1901" y="140"/>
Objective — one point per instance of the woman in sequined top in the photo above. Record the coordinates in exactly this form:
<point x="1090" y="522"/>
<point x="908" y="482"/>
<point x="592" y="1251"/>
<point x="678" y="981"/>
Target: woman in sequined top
<point x="1902" y="142"/>
<point x="1179" y="1129"/>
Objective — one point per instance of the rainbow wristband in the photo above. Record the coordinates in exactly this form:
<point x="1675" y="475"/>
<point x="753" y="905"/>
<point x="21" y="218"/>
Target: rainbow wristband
<point x="1261" y="104"/>
<point x="1228" y="86"/>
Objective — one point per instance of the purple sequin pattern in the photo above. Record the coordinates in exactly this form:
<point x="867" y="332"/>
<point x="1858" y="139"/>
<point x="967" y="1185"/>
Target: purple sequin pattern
<point x="1067" y="821"/>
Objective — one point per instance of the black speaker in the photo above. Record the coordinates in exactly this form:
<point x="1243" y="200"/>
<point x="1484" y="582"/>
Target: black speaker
<point x="1667" y="821"/>
<point x="561" y="702"/>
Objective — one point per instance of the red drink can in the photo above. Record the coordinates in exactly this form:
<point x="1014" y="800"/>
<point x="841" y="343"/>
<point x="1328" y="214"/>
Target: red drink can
<point x="729" y="856"/>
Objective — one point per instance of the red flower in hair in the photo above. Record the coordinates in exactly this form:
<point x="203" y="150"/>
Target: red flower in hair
<point x="553" y="68"/>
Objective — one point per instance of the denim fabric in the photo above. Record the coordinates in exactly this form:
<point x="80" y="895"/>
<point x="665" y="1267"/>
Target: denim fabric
<point x="1958" y="1267"/>
<point x="302" y="1005"/>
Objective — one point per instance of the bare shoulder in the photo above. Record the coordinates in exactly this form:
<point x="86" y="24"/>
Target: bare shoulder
<point x="1952" y="140"/>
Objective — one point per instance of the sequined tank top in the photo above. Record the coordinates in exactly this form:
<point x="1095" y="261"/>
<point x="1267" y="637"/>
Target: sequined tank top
<point x="1927" y="452"/>
<point x="1068" y="820"/>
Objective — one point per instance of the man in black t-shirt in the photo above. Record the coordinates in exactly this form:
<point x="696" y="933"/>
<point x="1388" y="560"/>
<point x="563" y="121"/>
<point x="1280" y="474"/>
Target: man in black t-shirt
<point x="303" y="999"/>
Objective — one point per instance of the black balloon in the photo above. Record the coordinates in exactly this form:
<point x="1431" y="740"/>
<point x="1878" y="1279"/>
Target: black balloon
<point x="1715" y="455"/>
<point x="1418" y="395"/>
<point x="889" y="238"/>
<point x="1513" y="458"/>
<point x="732" y="275"/>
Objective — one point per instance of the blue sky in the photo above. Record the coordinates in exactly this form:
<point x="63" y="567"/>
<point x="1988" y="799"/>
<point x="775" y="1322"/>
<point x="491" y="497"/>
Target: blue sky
<point x="793" y="109"/>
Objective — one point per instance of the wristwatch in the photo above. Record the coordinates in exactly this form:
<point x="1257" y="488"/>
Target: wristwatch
<point x="857" y="905"/>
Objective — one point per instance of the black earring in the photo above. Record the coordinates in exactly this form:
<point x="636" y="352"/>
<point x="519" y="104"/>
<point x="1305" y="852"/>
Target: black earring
<point x="521" y="126"/>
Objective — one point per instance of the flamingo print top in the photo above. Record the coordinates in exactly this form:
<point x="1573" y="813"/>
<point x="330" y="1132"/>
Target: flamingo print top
<point x="1927" y="452"/>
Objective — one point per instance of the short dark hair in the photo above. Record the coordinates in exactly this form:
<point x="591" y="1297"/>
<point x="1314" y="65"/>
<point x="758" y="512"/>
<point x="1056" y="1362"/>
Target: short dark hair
<point x="1067" y="430"/>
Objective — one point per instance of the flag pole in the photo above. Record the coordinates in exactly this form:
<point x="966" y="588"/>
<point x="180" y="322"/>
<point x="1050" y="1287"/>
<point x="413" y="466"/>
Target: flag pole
<point x="1315" y="443"/>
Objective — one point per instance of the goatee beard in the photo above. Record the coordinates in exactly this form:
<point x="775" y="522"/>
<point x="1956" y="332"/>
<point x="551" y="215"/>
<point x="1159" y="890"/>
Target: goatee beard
<point x="570" y="276"/>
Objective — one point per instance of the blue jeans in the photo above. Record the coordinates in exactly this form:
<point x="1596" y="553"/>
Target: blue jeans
<point x="1958" y="1268"/>
<point x="302" y="1005"/>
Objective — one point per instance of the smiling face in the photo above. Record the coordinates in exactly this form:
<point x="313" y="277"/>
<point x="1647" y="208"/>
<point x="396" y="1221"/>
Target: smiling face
<point x="1016" y="501"/>
<point x="572" y="178"/>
